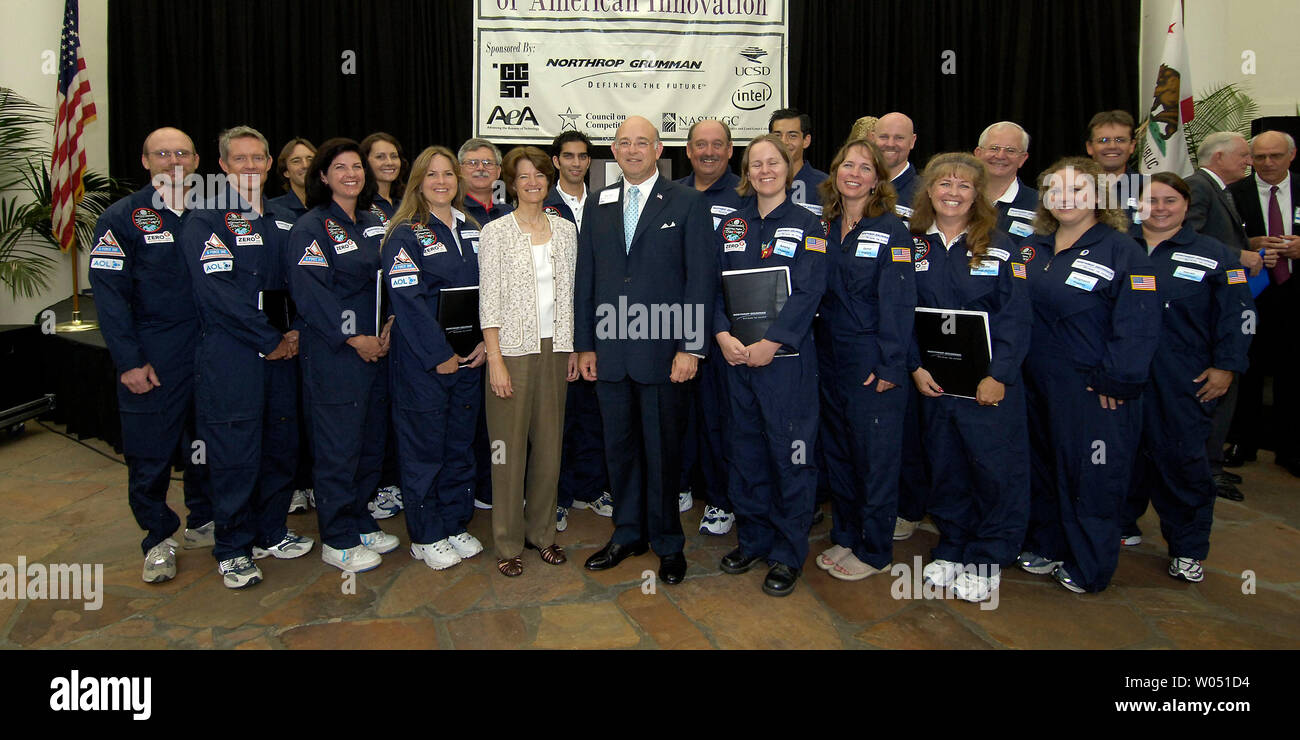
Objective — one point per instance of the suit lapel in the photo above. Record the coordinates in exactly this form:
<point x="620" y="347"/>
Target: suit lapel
<point x="650" y="208"/>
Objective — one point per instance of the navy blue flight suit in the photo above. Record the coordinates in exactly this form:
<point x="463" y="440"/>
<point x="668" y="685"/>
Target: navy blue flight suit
<point x="391" y="474"/>
<point x="914" y="486"/>
<point x="1096" y="321"/>
<point x="148" y="317"/>
<point x="979" y="455"/>
<point x="1204" y="295"/>
<point x="236" y="255"/>
<point x="583" y="475"/>
<point x="289" y="202"/>
<point x="773" y="424"/>
<point x="872" y="286"/>
<point x="905" y="186"/>
<point x="704" y="447"/>
<point x="803" y="191"/>
<point x="335" y="285"/>
<point x="483" y="214"/>
<point x="1016" y="216"/>
<point x="434" y="415"/>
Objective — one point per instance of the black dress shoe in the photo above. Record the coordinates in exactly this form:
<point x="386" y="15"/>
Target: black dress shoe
<point x="1232" y="478"/>
<point x="1236" y="456"/>
<point x="780" y="580"/>
<point x="672" y="568"/>
<point x="612" y="554"/>
<point x="736" y="562"/>
<point x="1226" y="490"/>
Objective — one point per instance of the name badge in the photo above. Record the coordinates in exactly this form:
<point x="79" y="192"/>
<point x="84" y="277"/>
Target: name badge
<point x="785" y="247"/>
<point x="1094" y="268"/>
<point x="789" y="233"/>
<point x="345" y="247"/>
<point x="609" y="195"/>
<point x="1020" y="213"/>
<point x="1081" y="281"/>
<point x="160" y="237"/>
<point x="903" y="211"/>
<point x="469" y="234"/>
<point x="1001" y="254"/>
<point x="734" y="247"/>
<point x="1188" y="273"/>
<point x="813" y="208"/>
<point x="474" y="245"/>
<point x="373" y="231"/>
<point x="1194" y="259"/>
<point x="283" y="225"/>
<point x="249" y="240"/>
<point x="922" y="266"/>
<point x="1020" y="229"/>
<point x="868" y="249"/>
<point x="874" y="236"/>
<point x="986" y="268"/>
<point x="721" y="210"/>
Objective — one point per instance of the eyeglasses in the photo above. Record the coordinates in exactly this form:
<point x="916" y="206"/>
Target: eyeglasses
<point x="178" y="153"/>
<point x="1113" y="140"/>
<point x="625" y="144"/>
<point x="243" y="159"/>
<point x="474" y="164"/>
<point x="1010" y="151"/>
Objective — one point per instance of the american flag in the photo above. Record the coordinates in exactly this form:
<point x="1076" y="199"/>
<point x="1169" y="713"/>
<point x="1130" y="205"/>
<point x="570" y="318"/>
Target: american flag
<point x="1142" y="282"/>
<point x="75" y="111"/>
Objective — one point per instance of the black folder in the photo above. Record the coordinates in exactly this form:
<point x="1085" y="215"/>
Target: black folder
<point x="955" y="348"/>
<point x="458" y="316"/>
<point x="753" y="299"/>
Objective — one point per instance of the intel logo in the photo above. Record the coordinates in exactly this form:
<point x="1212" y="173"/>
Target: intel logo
<point x="752" y="96"/>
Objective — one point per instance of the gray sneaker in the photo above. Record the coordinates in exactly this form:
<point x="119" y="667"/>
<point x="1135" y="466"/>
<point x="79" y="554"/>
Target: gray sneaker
<point x="1032" y="562"/>
<point x="205" y="536"/>
<point x="603" y="506"/>
<point x="160" y="562"/>
<point x="292" y="546"/>
<point x="298" y="502"/>
<point x="239" y="572"/>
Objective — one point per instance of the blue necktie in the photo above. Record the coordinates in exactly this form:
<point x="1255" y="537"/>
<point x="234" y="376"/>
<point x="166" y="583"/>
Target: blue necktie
<point x="631" y="211"/>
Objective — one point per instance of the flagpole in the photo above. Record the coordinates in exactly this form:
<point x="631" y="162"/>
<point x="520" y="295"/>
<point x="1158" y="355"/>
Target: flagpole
<point x="75" y="109"/>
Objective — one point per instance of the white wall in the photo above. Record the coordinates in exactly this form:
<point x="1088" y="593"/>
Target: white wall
<point x="31" y="28"/>
<point x="1218" y="32"/>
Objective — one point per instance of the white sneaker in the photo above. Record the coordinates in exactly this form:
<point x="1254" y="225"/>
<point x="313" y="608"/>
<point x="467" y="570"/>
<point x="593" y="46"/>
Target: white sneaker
<point x="970" y="586"/>
<point x="1131" y="541"/>
<point x="292" y="546"/>
<point x="685" y="502"/>
<point x="380" y="542"/>
<point x="160" y="562"/>
<point x="358" y="559"/>
<point x="311" y="497"/>
<point x="385" y="504"/>
<point x="481" y="505"/>
<point x="716" y="521"/>
<point x="603" y="506"/>
<point x="466" y="545"/>
<point x="298" y="503"/>
<point x="439" y="555"/>
<point x="561" y="518"/>
<point x="239" y="572"/>
<point x="941" y="572"/>
<point x="205" y="536"/>
<point x="903" y="528"/>
<point x="1187" y="569"/>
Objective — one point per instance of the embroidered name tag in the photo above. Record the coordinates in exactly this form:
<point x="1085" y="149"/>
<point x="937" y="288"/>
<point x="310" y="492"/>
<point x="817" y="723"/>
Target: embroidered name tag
<point x="874" y="236"/>
<point x="789" y="233"/>
<point x="1020" y="213"/>
<point x="1001" y="254"/>
<point x="1094" y="268"/>
<point x="1194" y="259"/>
<point x="373" y="231"/>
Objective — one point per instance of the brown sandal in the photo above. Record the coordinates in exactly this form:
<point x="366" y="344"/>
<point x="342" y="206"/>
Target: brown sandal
<point x="551" y="554"/>
<point x="511" y="567"/>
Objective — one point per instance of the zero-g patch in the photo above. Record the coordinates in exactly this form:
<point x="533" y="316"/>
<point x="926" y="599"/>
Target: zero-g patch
<point x="402" y="281"/>
<point x="1194" y="259"/>
<point x="107" y="245"/>
<point x="814" y="244"/>
<point x="146" y="220"/>
<point x="734" y="229"/>
<point x="1020" y="213"/>
<point x="312" y="257"/>
<point x="373" y="231"/>
<point x="214" y="248"/>
<point x="249" y="240"/>
<point x="1142" y="282"/>
<point x="868" y="249"/>
<point x="785" y="247"/>
<point x="1188" y="273"/>
<point x="1235" y="277"/>
<point x="105" y="263"/>
<point x="162" y="237"/>
<point x="402" y="263"/>
<point x="237" y="224"/>
<point x="1001" y="254"/>
<point x="734" y="246"/>
<point x="435" y="248"/>
<point x="1019" y="271"/>
<point x="900" y="254"/>
<point x="345" y="247"/>
<point x="789" y="233"/>
<point x="1019" y="228"/>
<point x="986" y="268"/>
<point x="1096" y="269"/>
<point x="1081" y="281"/>
<point x="1027" y="253"/>
<point x="218" y="266"/>
<point x="920" y="248"/>
<point x="335" y="232"/>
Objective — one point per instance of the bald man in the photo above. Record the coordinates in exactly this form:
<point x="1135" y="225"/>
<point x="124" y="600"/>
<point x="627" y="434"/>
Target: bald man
<point x="150" y="323"/>
<point x="646" y="249"/>
<point x="896" y="137"/>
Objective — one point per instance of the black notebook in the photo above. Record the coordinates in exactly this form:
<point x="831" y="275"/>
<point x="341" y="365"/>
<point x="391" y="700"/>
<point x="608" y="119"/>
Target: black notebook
<point x="458" y="316"/>
<point x="753" y="299"/>
<point x="955" y="348"/>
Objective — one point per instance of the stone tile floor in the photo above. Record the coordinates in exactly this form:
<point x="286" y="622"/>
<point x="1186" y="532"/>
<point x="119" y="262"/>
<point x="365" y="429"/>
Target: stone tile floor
<point x="64" y="503"/>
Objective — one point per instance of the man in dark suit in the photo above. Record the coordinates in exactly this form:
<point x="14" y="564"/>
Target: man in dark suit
<point x="1224" y="157"/>
<point x="643" y="293"/>
<point x="1267" y="201"/>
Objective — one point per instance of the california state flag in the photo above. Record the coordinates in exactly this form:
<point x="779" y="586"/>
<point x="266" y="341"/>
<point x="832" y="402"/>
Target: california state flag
<point x="1171" y="105"/>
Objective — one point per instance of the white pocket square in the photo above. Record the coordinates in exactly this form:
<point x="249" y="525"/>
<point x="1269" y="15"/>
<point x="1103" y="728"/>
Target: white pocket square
<point x="668" y="225"/>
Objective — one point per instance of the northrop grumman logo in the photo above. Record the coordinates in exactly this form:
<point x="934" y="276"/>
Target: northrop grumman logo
<point x="753" y="53"/>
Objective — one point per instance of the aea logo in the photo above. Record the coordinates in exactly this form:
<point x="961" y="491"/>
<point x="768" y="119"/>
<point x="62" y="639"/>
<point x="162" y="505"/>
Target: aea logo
<point x="670" y="123"/>
<point x="511" y="118"/>
<point x="752" y="96"/>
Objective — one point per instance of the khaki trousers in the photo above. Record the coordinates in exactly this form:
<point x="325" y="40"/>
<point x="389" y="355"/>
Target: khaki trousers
<point x="534" y="414"/>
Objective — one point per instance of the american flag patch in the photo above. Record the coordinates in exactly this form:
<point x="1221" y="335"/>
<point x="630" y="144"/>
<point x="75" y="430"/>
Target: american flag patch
<point x="1142" y="282"/>
<point x="814" y="244"/>
<point x="900" y="254"/>
<point x="1019" y="271"/>
<point x="1237" y="276"/>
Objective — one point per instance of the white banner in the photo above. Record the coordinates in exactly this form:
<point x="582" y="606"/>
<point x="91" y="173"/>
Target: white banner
<point x="545" y="66"/>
